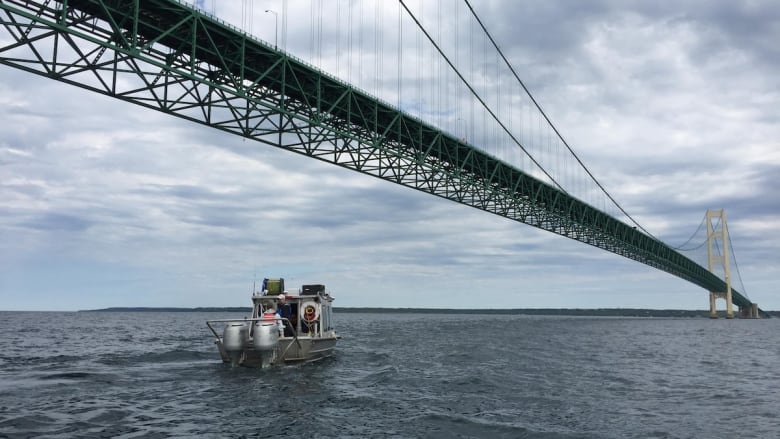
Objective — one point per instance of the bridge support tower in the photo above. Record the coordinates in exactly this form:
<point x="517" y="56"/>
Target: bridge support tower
<point x="749" y="312"/>
<point x="714" y="232"/>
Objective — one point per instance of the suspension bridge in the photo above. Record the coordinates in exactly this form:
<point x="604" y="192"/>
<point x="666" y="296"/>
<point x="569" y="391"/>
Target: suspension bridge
<point x="507" y="158"/>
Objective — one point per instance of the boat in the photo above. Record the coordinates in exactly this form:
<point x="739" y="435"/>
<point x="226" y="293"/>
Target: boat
<point x="284" y="328"/>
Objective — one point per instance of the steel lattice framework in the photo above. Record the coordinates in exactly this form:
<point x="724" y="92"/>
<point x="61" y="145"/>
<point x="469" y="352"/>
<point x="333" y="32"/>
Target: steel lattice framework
<point x="166" y="56"/>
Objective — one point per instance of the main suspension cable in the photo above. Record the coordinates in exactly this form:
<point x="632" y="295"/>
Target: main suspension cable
<point x="680" y="247"/>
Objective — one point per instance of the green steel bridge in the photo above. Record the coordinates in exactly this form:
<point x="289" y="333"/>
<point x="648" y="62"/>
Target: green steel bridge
<point x="170" y="57"/>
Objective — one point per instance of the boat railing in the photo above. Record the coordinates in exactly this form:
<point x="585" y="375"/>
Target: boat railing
<point x="256" y="319"/>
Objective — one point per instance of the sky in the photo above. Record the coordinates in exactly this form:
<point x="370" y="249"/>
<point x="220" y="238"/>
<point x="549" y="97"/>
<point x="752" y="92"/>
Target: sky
<point x="672" y="105"/>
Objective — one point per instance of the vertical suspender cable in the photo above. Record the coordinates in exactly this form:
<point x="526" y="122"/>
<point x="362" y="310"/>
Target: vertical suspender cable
<point x="319" y="35"/>
<point x="377" y="33"/>
<point x="284" y="25"/>
<point x="400" y="54"/>
<point x="349" y="41"/>
<point x="361" y="38"/>
<point x="438" y="84"/>
<point x="457" y="63"/>
<point x="420" y="51"/>
<point x="736" y="266"/>
<point x="473" y="92"/>
<point x="338" y="38"/>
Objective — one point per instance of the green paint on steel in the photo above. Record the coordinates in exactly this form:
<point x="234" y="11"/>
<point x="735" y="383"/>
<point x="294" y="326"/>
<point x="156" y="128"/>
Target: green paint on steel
<point x="167" y="56"/>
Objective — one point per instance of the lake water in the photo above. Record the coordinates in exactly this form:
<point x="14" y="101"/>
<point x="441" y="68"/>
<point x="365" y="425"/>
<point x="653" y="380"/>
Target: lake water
<point x="130" y="375"/>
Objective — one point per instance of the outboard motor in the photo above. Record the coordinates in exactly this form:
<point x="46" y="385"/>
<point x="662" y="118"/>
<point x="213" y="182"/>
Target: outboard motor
<point x="234" y="338"/>
<point x="265" y="341"/>
<point x="266" y="336"/>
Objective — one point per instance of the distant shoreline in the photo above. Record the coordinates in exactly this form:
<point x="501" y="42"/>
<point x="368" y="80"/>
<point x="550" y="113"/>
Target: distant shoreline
<point x="594" y="312"/>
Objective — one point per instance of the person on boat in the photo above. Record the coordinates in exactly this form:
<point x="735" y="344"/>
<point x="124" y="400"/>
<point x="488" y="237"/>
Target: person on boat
<point x="271" y="316"/>
<point x="284" y="310"/>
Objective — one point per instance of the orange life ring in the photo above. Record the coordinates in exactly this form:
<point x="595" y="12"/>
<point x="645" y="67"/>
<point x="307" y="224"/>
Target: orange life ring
<point x="309" y="312"/>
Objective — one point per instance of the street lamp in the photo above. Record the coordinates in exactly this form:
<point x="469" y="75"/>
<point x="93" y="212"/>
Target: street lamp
<point x="276" y="26"/>
<point x="465" y="129"/>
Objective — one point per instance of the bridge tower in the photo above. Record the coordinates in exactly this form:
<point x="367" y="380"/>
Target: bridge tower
<point x="719" y="230"/>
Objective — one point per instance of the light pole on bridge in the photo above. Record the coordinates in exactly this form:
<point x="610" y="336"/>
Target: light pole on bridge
<point x="276" y="27"/>
<point x="465" y="129"/>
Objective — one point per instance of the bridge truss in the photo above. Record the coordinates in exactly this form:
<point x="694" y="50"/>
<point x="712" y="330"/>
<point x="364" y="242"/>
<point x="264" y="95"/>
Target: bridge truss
<point x="167" y="56"/>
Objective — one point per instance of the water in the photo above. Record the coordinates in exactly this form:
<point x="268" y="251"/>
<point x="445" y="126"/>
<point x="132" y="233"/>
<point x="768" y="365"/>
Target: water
<point x="128" y="375"/>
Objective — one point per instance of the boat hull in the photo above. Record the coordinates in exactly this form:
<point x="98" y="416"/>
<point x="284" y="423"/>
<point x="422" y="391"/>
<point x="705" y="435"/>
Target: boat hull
<point x="288" y="350"/>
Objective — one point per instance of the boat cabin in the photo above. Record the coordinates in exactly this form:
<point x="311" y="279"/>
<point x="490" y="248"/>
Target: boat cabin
<point x="304" y="313"/>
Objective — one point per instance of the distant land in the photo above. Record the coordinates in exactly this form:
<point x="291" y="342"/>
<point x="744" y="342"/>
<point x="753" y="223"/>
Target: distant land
<point x="595" y="312"/>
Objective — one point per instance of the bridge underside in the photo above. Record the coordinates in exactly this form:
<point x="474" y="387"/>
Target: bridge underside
<point x="165" y="56"/>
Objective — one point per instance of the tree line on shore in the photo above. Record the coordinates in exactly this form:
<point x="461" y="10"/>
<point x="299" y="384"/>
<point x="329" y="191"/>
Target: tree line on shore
<point x="592" y="312"/>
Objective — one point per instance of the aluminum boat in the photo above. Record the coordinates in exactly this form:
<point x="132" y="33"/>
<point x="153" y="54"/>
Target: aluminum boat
<point x="285" y="327"/>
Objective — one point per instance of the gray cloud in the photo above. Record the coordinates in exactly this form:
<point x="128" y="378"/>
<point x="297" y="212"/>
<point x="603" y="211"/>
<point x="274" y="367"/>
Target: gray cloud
<point x="56" y="222"/>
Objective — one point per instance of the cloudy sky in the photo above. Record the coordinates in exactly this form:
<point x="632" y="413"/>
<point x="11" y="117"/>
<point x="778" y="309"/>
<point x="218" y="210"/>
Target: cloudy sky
<point x="672" y="105"/>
